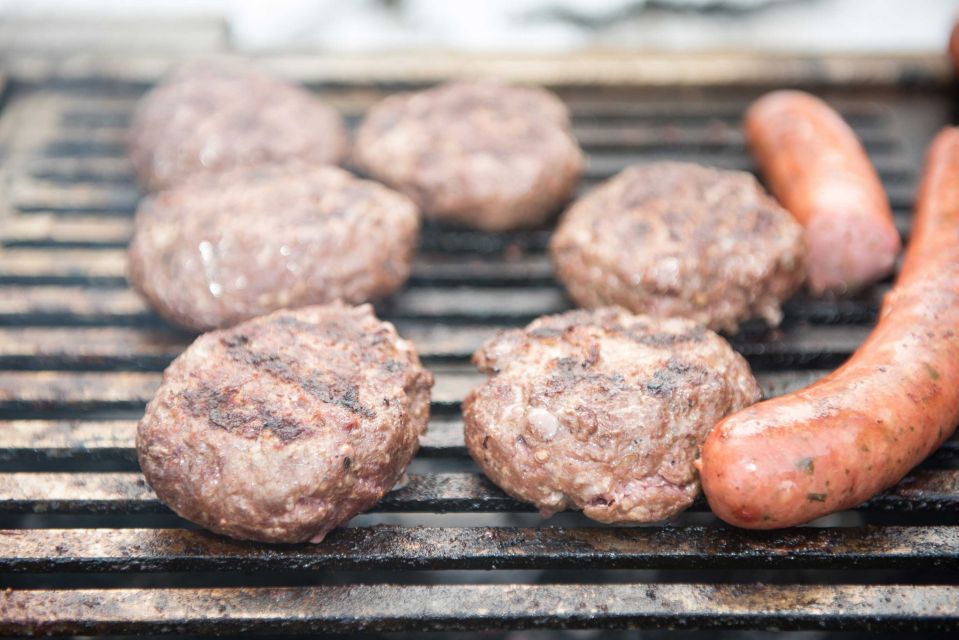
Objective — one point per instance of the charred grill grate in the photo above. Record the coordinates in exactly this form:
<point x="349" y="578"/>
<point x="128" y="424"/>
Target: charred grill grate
<point x="85" y="547"/>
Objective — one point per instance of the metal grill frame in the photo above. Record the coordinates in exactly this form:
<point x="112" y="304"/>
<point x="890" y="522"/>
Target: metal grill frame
<point x="80" y="355"/>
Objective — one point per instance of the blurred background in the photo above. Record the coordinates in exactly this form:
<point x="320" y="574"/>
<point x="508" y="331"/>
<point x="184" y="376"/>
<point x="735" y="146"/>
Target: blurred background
<point x="875" y="26"/>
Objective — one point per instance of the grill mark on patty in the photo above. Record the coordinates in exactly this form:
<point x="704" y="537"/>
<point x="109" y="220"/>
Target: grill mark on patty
<point x="665" y="381"/>
<point x="339" y="391"/>
<point x="221" y="410"/>
<point x="569" y="372"/>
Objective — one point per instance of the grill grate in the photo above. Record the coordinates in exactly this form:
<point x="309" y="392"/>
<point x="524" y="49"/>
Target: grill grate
<point x="80" y="355"/>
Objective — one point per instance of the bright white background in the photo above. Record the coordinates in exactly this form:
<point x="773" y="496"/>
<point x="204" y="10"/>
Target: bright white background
<point x="542" y="25"/>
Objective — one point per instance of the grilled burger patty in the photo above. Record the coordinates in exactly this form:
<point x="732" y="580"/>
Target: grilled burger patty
<point x="481" y="154"/>
<point x="602" y="411"/>
<point x="210" y="117"/>
<point x="679" y="239"/>
<point x="226" y="247"/>
<point x="285" y="426"/>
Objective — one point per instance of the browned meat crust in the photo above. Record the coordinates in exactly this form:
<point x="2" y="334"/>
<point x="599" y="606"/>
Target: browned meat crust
<point x="678" y="239"/>
<point x="223" y="248"/>
<point x="482" y="154"/>
<point x="210" y="117"/>
<point x="602" y="411"/>
<point x="285" y="426"/>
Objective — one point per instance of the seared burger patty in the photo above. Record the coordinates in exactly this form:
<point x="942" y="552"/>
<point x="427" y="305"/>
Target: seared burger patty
<point x="210" y="117"/>
<point x="481" y="154"/>
<point x="602" y="411"/>
<point x="224" y="248"/>
<point x="678" y="239"/>
<point x="286" y="426"/>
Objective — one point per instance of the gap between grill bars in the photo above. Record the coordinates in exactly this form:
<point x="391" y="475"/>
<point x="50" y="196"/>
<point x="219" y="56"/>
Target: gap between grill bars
<point x="80" y="354"/>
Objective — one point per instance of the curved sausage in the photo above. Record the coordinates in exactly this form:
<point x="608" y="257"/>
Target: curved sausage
<point x="860" y="429"/>
<point x="817" y="168"/>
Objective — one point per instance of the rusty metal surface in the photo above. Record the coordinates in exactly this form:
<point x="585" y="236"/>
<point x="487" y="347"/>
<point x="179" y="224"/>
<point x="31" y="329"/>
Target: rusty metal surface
<point x="925" y="490"/>
<point x="80" y="354"/>
<point x="427" y="608"/>
<point x="397" y="547"/>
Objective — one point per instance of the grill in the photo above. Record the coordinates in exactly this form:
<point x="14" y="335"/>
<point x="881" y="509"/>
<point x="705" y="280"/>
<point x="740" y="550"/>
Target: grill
<point x="85" y="547"/>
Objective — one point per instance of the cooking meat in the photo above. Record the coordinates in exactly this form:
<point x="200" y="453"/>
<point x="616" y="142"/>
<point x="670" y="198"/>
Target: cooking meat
<point x="285" y="426"/>
<point x="860" y="429"/>
<point x="481" y="154"/>
<point x="818" y="169"/>
<point x="226" y="247"/>
<point x="211" y="117"/>
<point x="602" y="411"/>
<point x="679" y="239"/>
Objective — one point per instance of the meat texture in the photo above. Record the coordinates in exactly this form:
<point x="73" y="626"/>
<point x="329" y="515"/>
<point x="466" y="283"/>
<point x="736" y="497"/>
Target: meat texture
<point x="210" y="117"/>
<point x="223" y="248"/>
<point x="602" y="411"/>
<point x="285" y="426"/>
<point x="679" y="239"/>
<point x="860" y="429"/>
<point x="818" y="169"/>
<point x="482" y="154"/>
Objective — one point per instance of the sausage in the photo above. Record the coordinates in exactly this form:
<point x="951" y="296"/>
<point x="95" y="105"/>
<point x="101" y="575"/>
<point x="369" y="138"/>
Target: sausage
<point x="817" y="168"/>
<point x="953" y="47"/>
<point x="860" y="429"/>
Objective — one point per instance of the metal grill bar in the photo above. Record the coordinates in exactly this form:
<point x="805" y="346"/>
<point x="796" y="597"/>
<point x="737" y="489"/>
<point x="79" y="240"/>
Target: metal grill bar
<point x="127" y="492"/>
<point x="121" y="347"/>
<point x="395" y="547"/>
<point x="62" y="305"/>
<point x="80" y="354"/>
<point x="107" y="267"/>
<point x="430" y="608"/>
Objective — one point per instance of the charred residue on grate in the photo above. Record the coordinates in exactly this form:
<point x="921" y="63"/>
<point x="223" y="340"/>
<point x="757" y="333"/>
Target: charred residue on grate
<point x="80" y="354"/>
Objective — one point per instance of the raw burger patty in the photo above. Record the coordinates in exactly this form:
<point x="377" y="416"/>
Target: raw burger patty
<point x="286" y="426"/>
<point x="226" y="247"/>
<point x="481" y="154"/>
<point x="602" y="411"/>
<point x="678" y="239"/>
<point x="211" y="117"/>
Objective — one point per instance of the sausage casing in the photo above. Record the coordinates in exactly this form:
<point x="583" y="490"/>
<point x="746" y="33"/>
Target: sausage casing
<point x="859" y="430"/>
<point x="816" y="166"/>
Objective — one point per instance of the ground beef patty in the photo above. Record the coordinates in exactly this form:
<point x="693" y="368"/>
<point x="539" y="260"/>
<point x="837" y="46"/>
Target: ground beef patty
<point x="226" y="247"/>
<point x="211" y="117"/>
<point x="285" y="426"/>
<point x="482" y="154"/>
<point x="602" y="411"/>
<point x="678" y="239"/>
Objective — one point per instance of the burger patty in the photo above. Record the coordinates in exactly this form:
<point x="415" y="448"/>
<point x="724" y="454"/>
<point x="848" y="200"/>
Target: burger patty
<point x="285" y="426"/>
<point x="481" y="154"/>
<point x="602" y="411"/>
<point x="678" y="239"/>
<point x="226" y="247"/>
<point x="210" y="117"/>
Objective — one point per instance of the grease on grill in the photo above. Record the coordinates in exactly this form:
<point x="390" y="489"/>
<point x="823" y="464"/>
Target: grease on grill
<point x="77" y="196"/>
